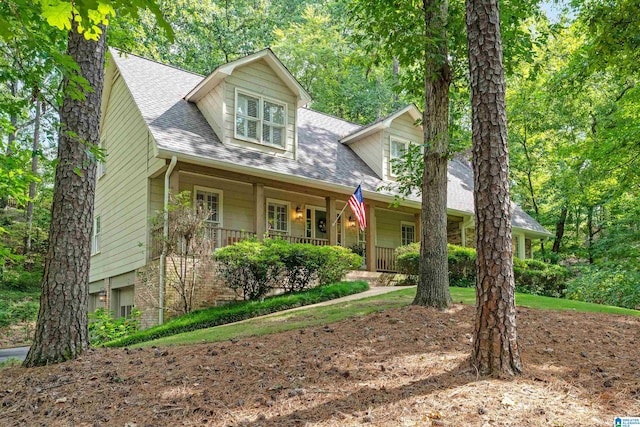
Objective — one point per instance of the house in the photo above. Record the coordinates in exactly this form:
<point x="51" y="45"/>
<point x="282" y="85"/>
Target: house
<point x="243" y="143"/>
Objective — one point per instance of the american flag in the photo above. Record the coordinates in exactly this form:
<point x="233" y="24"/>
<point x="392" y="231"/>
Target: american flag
<point x="356" y="203"/>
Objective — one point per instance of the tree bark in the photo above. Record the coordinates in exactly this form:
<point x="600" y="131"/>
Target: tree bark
<point x="495" y="349"/>
<point x="433" y="282"/>
<point x="560" y="230"/>
<point x="61" y="330"/>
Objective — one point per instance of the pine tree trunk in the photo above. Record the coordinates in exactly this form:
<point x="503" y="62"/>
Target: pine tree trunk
<point x="433" y="282"/>
<point x="495" y="350"/>
<point x="61" y="331"/>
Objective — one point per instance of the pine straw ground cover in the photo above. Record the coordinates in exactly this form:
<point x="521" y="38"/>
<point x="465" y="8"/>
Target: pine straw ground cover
<point x="399" y="367"/>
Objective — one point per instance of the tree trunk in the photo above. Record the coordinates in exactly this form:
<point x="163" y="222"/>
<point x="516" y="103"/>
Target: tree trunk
<point x="560" y="229"/>
<point x="433" y="282"/>
<point x="34" y="171"/>
<point x="61" y="331"/>
<point x="495" y="349"/>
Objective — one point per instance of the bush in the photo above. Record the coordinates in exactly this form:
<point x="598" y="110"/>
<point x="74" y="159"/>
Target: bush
<point x="13" y="312"/>
<point x="539" y="278"/>
<point x="103" y="327"/>
<point x="253" y="268"/>
<point x="241" y="310"/>
<point x="19" y="279"/>
<point x="531" y="276"/>
<point x="610" y="286"/>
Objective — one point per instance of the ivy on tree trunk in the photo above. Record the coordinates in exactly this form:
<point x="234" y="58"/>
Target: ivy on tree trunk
<point x="495" y="348"/>
<point x="61" y="330"/>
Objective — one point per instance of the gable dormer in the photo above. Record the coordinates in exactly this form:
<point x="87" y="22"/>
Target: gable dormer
<point x="252" y="103"/>
<point x="381" y="141"/>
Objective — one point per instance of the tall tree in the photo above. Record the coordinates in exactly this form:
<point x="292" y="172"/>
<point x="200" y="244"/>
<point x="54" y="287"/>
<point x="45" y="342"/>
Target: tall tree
<point x="495" y="349"/>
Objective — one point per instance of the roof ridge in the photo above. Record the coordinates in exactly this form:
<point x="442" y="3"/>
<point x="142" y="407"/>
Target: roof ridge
<point x="155" y="61"/>
<point x="331" y="115"/>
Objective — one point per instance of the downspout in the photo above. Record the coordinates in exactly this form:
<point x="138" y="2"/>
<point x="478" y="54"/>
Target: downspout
<point x="165" y="236"/>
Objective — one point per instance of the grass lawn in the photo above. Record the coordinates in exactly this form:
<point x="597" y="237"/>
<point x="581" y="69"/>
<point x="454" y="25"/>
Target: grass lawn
<point x="332" y="313"/>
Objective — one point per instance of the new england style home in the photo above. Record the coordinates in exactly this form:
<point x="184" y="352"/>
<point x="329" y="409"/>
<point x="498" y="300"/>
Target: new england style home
<point x="243" y="143"/>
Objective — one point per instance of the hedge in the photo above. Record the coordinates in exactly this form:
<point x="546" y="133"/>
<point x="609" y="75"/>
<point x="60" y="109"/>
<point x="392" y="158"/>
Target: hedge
<point x="241" y="310"/>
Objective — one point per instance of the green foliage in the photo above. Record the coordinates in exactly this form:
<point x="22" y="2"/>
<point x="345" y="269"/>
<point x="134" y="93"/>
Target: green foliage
<point x="17" y="307"/>
<point x="531" y="276"/>
<point x="104" y="328"/>
<point x="253" y="268"/>
<point x="235" y="312"/>
<point x="19" y="279"/>
<point x="611" y="286"/>
<point x="536" y="277"/>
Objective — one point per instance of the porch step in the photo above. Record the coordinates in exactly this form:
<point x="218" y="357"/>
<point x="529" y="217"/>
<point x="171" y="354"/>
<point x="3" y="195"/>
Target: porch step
<point x="374" y="278"/>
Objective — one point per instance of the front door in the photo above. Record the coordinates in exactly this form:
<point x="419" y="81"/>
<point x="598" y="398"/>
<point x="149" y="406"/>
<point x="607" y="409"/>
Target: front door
<point x="316" y="223"/>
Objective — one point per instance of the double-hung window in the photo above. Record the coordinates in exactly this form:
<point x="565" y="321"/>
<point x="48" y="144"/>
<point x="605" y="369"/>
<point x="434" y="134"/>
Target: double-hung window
<point x="95" y="234"/>
<point x="260" y="120"/>
<point x="408" y="233"/>
<point x="278" y="216"/>
<point x="396" y="149"/>
<point x="210" y="200"/>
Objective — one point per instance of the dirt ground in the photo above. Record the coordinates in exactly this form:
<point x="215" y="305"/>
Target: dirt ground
<point x="400" y="367"/>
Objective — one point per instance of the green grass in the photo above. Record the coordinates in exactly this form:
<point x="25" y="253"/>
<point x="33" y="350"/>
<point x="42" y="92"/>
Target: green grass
<point x="242" y="310"/>
<point x="324" y="315"/>
<point x="13" y="361"/>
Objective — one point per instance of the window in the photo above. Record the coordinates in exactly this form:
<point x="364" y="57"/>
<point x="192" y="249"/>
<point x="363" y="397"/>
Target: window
<point x="396" y="150"/>
<point x="260" y="120"/>
<point x="278" y="216"/>
<point x="101" y="167"/>
<point x="211" y="200"/>
<point x="95" y="235"/>
<point x="408" y="233"/>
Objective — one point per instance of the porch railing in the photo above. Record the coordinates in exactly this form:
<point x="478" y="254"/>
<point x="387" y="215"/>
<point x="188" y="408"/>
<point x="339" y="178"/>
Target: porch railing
<point x="386" y="259"/>
<point x="300" y="239"/>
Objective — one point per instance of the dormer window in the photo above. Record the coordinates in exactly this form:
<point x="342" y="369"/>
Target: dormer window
<point x="396" y="150"/>
<point x="260" y="120"/>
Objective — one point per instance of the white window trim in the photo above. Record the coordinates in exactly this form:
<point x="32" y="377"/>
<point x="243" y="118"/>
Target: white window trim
<point x="95" y="235"/>
<point x="410" y="224"/>
<point x="395" y="139"/>
<point x="220" y="194"/>
<point x="279" y="202"/>
<point x="260" y="118"/>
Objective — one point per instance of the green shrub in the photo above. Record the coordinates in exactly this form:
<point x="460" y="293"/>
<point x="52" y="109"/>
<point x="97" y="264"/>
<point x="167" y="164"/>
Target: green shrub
<point x="12" y="312"/>
<point x="20" y="280"/>
<point x="610" y="286"/>
<point x="241" y="310"/>
<point x="249" y="267"/>
<point x="103" y="327"/>
<point x="461" y="264"/>
<point x="254" y="268"/>
<point x="539" y="278"/>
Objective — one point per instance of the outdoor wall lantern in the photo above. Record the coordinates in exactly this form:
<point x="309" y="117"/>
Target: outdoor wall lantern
<point x="102" y="296"/>
<point x="351" y="223"/>
<point x="298" y="213"/>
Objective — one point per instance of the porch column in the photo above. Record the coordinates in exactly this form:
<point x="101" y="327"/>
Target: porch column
<point x="370" y="233"/>
<point x="259" y="216"/>
<point x="332" y="232"/>
<point x="417" y="224"/>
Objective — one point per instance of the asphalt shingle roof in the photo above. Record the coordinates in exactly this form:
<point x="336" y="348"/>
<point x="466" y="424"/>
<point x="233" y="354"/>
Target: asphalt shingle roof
<point x="179" y="126"/>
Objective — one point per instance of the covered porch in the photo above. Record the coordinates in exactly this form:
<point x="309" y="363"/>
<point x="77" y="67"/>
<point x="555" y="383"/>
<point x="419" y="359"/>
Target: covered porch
<point x="245" y="207"/>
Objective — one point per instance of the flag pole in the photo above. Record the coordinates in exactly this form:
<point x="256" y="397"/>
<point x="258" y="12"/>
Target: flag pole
<point x="342" y="211"/>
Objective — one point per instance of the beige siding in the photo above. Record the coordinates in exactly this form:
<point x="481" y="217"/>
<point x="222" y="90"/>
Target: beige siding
<point x="211" y="108"/>
<point x="369" y="149"/>
<point x="156" y="195"/>
<point x="121" y="193"/>
<point x="388" y="227"/>
<point x="403" y="129"/>
<point x="237" y="199"/>
<point x="258" y="78"/>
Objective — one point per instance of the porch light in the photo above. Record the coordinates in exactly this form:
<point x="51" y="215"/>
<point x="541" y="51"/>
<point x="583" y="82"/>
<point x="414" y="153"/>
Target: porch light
<point x="298" y="213"/>
<point x="351" y="223"/>
<point x="102" y="296"/>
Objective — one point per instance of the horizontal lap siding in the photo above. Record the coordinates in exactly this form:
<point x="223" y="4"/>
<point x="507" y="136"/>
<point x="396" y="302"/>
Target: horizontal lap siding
<point x="388" y="227"/>
<point x="369" y="149"/>
<point x="403" y="129"/>
<point x="258" y="78"/>
<point x="211" y="108"/>
<point x="237" y="199"/>
<point x="121" y="194"/>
